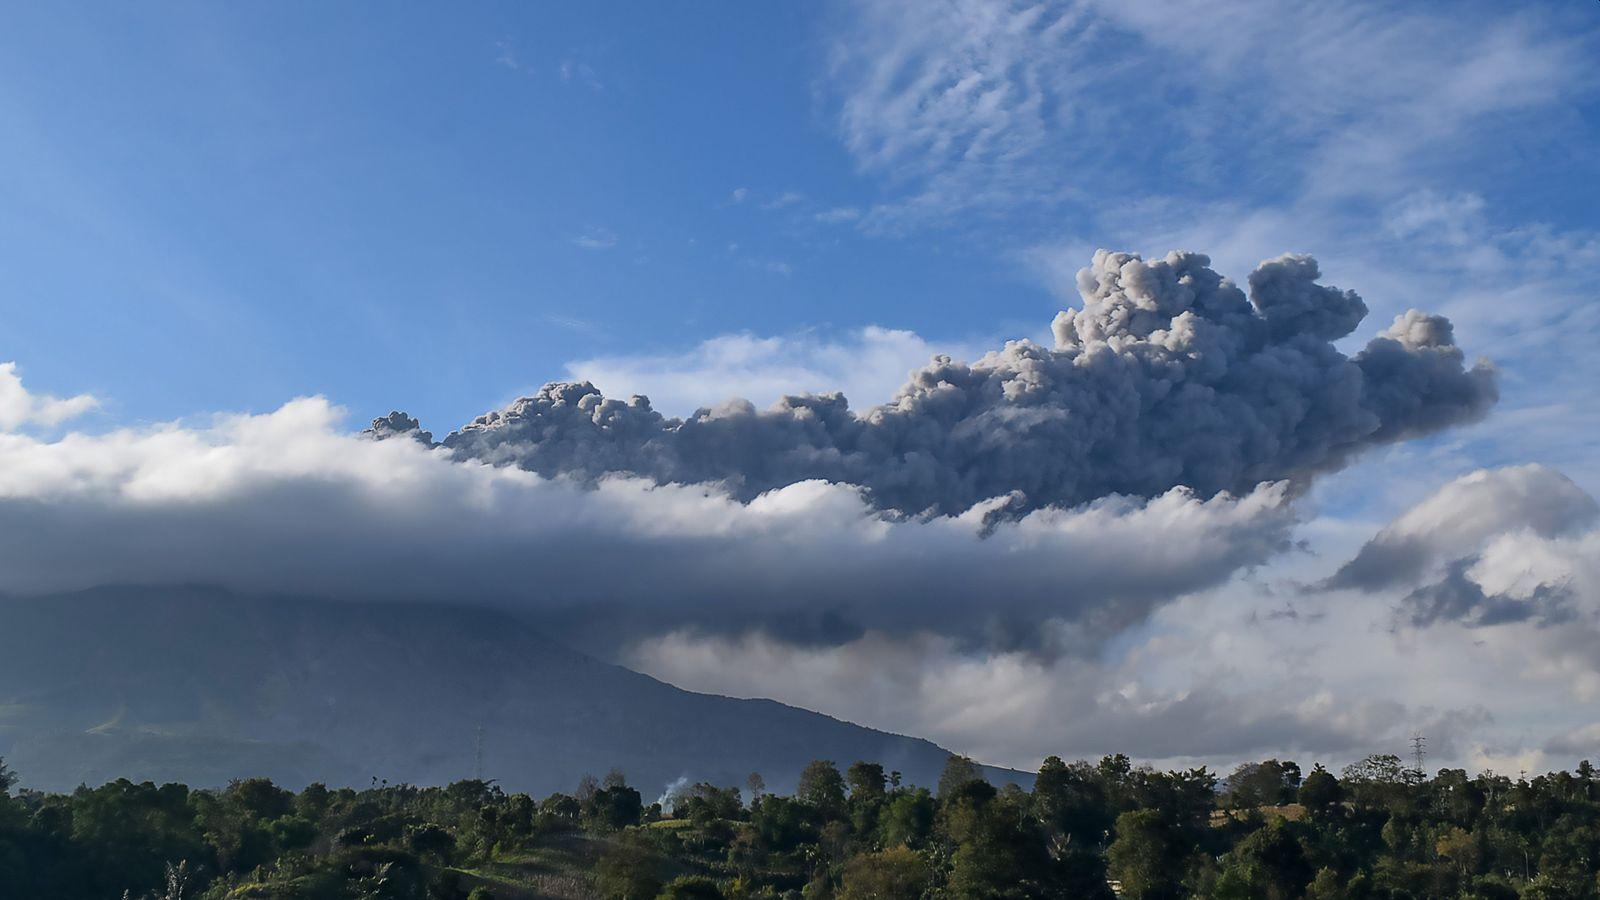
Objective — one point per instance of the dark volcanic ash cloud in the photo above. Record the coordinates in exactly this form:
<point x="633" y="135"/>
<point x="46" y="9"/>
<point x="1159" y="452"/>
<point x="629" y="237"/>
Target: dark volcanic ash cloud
<point x="1169" y="375"/>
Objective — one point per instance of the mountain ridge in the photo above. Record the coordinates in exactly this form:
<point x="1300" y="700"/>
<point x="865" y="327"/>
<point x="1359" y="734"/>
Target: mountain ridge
<point x="198" y="684"/>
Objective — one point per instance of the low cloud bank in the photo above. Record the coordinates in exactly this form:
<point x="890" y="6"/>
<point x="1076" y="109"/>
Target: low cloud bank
<point x="287" y="502"/>
<point x="1487" y="641"/>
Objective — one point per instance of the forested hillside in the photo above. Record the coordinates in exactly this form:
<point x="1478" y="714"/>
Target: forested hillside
<point x="1376" y="830"/>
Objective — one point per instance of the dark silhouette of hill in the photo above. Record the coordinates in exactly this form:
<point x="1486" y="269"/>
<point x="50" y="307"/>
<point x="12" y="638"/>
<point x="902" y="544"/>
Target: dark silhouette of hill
<point x="202" y="686"/>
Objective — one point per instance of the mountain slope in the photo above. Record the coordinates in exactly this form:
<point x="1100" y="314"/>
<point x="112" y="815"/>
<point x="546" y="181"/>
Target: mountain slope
<point x="198" y="685"/>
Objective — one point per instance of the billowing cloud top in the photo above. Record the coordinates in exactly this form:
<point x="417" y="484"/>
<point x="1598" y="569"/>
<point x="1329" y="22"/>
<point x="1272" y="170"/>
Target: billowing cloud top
<point x="1168" y="376"/>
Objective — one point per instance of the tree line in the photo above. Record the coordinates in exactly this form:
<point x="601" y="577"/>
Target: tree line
<point x="1378" y="829"/>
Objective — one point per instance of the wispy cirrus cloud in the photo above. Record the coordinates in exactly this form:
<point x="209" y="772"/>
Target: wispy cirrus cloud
<point x="967" y="108"/>
<point x="955" y="104"/>
<point x="579" y="72"/>
<point x="784" y="200"/>
<point x="836" y="215"/>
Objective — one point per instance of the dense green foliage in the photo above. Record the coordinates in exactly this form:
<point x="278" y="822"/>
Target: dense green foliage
<point x="1378" y="830"/>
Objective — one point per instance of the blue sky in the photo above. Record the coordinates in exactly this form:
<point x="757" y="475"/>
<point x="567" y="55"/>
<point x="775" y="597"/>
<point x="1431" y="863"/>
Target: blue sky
<point x="224" y="206"/>
<point x="217" y="208"/>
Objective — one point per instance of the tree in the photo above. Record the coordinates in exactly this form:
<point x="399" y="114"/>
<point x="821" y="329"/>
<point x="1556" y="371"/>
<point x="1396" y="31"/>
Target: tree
<point x="755" y="785"/>
<point x="958" y="771"/>
<point x="1462" y="849"/>
<point x="1147" y="856"/>
<point x="587" y="786"/>
<point x="131" y="831"/>
<point x="780" y="823"/>
<point x="821" y="786"/>
<point x="907" y="819"/>
<point x="1376" y="781"/>
<point x="1320" y="793"/>
<point x="997" y="851"/>
<point x="1455" y="798"/>
<point x="868" y="792"/>
<point x="431" y="842"/>
<point x="1379" y="767"/>
<point x="707" y="803"/>
<point x="313" y="801"/>
<point x="1481" y="837"/>
<point x="1185" y="798"/>
<point x="866" y="781"/>
<point x="259" y="798"/>
<point x="1272" y="862"/>
<point x="1326" y="886"/>
<point x="8" y="778"/>
<point x="897" y="873"/>
<point x="1070" y="802"/>
<point x="559" y="812"/>
<point x="613" y="808"/>
<point x="1115" y="773"/>
<point x="1270" y="783"/>
<point x="961" y="810"/>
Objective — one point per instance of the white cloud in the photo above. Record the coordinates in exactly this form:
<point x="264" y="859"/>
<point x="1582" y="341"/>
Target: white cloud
<point x="967" y="106"/>
<point x="1367" y="91"/>
<point x="837" y="215"/>
<point x="868" y="365"/>
<point x="1231" y="695"/>
<point x="20" y="407"/>
<point x="1459" y="518"/>
<point x="1251" y="669"/>
<point x="952" y="102"/>
<point x="596" y="239"/>
<point x="506" y="55"/>
<point x="785" y="200"/>
<point x="287" y="502"/>
<point x="575" y="71"/>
